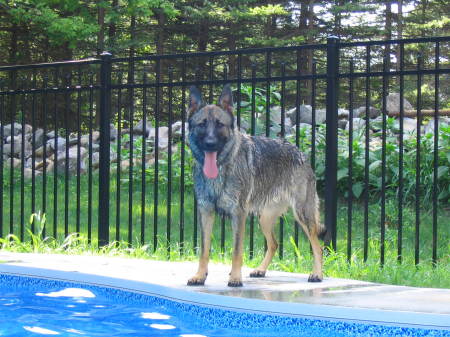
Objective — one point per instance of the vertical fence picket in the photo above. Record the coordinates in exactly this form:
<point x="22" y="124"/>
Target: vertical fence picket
<point x="169" y="164"/>
<point x="119" y="159"/>
<point x="105" y="153"/>
<point x="383" y="161"/>
<point x="366" y="156"/>
<point x="156" y="147"/>
<point x="90" y="149"/>
<point x="78" y="132"/>
<point x="33" y="151"/>
<point x="331" y="140"/>
<point x="144" y="155"/>
<point x="68" y="78"/>
<point x="400" y="157"/>
<point x="22" y="166"/>
<point x="252" y="132"/>
<point x="183" y="153"/>
<point x="417" y="196"/>
<point x="44" y="150"/>
<point x="350" y="164"/>
<point x="131" y="160"/>
<point x="55" y="150"/>
<point x="435" y="153"/>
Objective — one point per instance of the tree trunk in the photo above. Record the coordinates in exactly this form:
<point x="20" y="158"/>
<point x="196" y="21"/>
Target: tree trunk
<point x="388" y="29"/>
<point x="399" y="30"/>
<point x="132" y="53"/>
<point x="231" y="44"/>
<point x="113" y="28"/>
<point x="337" y="20"/>
<point x="13" y="44"/>
<point x="161" y="36"/>
<point x="101" y="32"/>
<point x="306" y="25"/>
<point x="202" y="44"/>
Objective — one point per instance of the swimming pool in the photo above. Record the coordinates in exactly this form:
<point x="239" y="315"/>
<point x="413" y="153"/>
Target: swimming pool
<point x="31" y="306"/>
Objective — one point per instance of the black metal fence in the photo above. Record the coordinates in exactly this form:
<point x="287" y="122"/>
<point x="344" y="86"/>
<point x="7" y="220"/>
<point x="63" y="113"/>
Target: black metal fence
<point x="99" y="145"/>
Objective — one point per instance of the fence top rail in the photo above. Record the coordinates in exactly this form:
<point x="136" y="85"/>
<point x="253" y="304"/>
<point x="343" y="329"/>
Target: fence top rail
<point x="398" y="41"/>
<point x="50" y="64"/>
<point x="221" y="53"/>
<point x="238" y="52"/>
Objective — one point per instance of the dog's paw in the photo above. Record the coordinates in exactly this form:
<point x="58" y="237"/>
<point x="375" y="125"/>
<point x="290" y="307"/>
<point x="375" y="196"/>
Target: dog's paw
<point x="196" y="281"/>
<point x="314" y="278"/>
<point x="258" y="273"/>
<point x="235" y="283"/>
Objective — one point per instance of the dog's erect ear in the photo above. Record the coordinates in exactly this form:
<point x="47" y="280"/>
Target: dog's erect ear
<point x="226" y="99"/>
<point x="195" y="100"/>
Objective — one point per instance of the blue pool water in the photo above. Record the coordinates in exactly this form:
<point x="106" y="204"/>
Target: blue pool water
<point x="40" y="307"/>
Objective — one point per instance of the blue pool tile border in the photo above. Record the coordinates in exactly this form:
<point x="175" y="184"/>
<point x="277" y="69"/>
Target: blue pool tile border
<point x="399" y="323"/>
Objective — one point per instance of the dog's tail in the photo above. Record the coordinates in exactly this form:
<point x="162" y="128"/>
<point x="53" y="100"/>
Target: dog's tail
<point x="325" y="234"/>
<point x="307" y="211"/>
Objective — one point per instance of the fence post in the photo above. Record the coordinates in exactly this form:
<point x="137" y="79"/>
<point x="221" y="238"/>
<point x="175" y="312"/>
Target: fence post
<point x="331" y="141"/>
<point x="105" y="117"/>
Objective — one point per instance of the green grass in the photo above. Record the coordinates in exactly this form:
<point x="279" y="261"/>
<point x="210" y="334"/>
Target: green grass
<point x="294" y="259"/>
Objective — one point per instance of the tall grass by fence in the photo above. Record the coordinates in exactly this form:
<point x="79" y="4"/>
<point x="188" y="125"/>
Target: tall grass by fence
<point x="99" y="145"/>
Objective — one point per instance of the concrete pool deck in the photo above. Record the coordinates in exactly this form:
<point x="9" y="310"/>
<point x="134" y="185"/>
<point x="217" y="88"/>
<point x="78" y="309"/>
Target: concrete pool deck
<point x="278" y="292"/>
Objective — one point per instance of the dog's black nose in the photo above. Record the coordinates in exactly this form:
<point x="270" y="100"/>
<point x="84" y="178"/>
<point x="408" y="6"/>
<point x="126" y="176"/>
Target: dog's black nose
<point x="210" y="141"/>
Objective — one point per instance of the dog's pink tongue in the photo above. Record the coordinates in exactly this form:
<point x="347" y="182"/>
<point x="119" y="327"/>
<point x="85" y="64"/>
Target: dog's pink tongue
<point x="210" y="166"/>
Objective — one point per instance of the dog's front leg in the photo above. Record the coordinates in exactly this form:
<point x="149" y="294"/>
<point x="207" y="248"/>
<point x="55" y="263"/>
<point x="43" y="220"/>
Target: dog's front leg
<point x="207" y="222"/>
<point x="238" y="223"/>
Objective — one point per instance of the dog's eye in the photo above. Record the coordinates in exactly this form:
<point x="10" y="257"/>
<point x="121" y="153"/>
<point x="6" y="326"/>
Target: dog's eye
<point x="203" y="123"/>
<point x="219" y="124"/>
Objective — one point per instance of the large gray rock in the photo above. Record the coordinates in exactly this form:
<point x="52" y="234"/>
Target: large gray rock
<point x="51" y="134"/>
<point x="61" y="144"/>
<point x="275" y="114"/>
<point x="429" y="127"/>
<point x="373" y="112"/>
<point x="393" y="103"/>
<point x="8" y="149"/>
<point x="40" y="164"/>
<point x="358" y="124"/>
<point x="163" y="137"/>
<point x="72" y="160"/>
<point x="39" y="138"/>
<point x="16" y="139"/>
<point x="409" y="125"/>
<point x="28" y="173"/>
<point x="138" y="129"/>
<point x="95" y="136"/>
<point x="95" y="160"/>
<point x="343" y="113"/>
<point x="177" y="128"/>
<point x="306" y="115"/>
<point x="15" y="163"/>
<point x="39" y="152"/>
<point x="342" y="123"/>
<point x="84" y="140"/>
<point x="15" y="129"/>
<point x="113" y="133"/>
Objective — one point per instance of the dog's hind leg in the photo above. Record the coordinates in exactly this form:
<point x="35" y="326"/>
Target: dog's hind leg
<point x="306" y="212"/>
<point x="267" y="221"/>
<point x="207" y="222"/>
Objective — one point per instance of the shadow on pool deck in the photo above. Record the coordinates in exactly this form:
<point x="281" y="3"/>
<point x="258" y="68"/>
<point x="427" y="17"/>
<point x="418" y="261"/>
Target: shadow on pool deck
<point x="276" y="286"/>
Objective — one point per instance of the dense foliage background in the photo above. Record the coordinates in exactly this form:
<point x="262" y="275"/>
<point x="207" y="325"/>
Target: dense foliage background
<point x="48" y="30"/>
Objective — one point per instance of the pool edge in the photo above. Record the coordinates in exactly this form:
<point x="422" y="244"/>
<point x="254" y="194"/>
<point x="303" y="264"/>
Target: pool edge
<point x="311" y="311"/>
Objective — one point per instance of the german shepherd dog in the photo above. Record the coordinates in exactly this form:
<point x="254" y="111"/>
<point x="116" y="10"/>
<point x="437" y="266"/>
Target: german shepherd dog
<point x="236" y="174"/>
